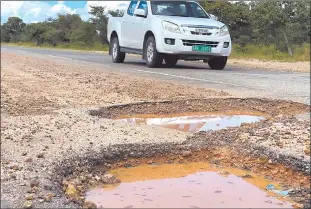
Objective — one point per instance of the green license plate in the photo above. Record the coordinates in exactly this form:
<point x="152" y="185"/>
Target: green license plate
<point x="200" y="48"/>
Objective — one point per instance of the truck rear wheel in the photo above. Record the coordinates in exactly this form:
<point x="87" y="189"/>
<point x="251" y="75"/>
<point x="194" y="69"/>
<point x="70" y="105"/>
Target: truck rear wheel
<point x="152" y="56"/>
<point x="170" y="60"/>
<point x="217" y="63"/>
<point x="117" y="55"/>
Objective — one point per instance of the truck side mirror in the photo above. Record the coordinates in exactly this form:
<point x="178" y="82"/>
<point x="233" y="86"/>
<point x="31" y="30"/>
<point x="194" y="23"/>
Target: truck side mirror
<point x="140" y="13"/>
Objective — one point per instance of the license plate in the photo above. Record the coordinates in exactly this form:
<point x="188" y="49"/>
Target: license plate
<point x="202" y="48"/>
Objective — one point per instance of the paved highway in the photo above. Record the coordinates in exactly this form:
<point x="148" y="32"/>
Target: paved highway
<point x="237" y="81"/>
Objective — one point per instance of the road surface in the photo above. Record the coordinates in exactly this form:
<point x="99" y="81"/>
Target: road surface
<point x="237" y="81"/>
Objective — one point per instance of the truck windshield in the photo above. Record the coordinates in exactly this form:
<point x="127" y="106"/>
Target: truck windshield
<point x="178" y="8"/>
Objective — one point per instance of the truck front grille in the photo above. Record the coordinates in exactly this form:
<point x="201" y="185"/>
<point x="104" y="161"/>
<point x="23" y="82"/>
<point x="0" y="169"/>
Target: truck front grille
<point x="201" y="34"/>
<point x="205" y="43"/>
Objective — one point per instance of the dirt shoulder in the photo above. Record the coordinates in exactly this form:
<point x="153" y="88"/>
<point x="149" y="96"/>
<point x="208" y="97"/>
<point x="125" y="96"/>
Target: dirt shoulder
<point x="270" y="65"/>
<point x="48" y="133"/>
<point x="34" y="86"/>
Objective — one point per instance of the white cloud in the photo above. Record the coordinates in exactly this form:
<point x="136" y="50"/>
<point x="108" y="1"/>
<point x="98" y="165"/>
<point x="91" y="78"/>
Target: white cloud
<point x="31" y="11"/>
<point x="36" y="11"/>
<point x="110" y="5"/>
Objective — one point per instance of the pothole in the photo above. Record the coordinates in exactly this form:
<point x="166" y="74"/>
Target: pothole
<point x="215" y="106"/>
<point x="189" y="185"/>
<point x="194" y="123"/>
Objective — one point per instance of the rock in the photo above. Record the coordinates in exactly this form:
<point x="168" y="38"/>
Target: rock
<point x="83" y="178"/>
<point x="49" y="197"/>
<point x="41" y="200"/>
<point x="244" y="136"/>
<point x="186" y="153"/>
<point x="27" y="204"/>
<point x="40" y="155"/>
<point x="108" y="178"/>
<point x="97" y="178"/>
<point x="88" y="204"/>
<point x="14" y="167"/>
<point x="24" y="153"/>
<point x="29" y="197"/>
<point x="71" y="191"/>
<point x="48" y="186"/>
<point x="34" y="183"/>
<point x="34" y="189"/>
<point x="82" y="199"/>
<point x="28" y="160"/>
<point x="117" y="181"/>
<point x="247" y="176"/>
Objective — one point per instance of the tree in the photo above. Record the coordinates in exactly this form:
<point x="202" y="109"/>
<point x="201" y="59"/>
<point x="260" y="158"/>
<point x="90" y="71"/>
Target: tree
<point x="116" y="13"/>
<point x="287" y="21"/>
<point x="235" y="16"/>
<point x="13" y="28"/>
<point x="84" y="34"/>
<point x="101" y="21"/>
<point x="5" y="33"/>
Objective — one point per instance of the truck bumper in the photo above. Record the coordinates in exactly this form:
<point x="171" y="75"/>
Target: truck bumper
<point x="183" y="45"/>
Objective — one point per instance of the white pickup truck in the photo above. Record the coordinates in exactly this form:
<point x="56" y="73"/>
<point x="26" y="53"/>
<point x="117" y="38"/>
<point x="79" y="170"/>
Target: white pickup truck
<point x="169" y="30"/>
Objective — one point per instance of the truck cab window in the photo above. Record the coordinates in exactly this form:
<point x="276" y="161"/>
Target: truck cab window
<point x="142" y="5"/>
<point x="131" y="8"/>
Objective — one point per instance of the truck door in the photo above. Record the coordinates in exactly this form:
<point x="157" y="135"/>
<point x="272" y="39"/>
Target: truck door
<point x="139" y="27"/>
<point x="127" y="25"/>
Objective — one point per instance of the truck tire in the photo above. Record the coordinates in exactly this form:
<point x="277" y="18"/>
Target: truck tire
<point x="116" y="54"/>
<point x="153" y="57"/>
<point x="170" y="60"/>
<point x="217" y="63"/>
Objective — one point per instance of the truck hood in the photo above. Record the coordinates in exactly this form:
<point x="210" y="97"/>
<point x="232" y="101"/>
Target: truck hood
<point x="192" y="21"/>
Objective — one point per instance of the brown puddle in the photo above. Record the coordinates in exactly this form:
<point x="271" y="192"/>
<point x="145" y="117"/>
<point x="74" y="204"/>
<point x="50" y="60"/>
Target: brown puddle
<point x="191" y="185"/>
<point x="195" y="123"/>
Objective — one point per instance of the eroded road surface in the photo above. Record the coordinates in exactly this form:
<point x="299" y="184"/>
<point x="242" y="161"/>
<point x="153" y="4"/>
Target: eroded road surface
<point x="67" y="127"/>
<point x="240" y="81"/>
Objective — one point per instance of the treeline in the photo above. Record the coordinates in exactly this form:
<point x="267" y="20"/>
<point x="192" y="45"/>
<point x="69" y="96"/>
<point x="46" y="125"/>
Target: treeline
<point x="66" y="28"/>
<point x="282" y="25"/>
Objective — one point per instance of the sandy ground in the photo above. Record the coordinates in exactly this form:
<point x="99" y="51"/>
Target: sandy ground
<point x="45" y="120"/>
<point x="270" y="65"/>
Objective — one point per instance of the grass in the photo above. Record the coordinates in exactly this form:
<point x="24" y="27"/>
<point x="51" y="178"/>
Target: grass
<point x="71" y="46"/>
<point x="301" y="53"/>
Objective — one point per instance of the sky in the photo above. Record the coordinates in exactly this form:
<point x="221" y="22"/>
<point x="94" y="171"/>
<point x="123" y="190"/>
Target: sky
<point x="36" y="11"/>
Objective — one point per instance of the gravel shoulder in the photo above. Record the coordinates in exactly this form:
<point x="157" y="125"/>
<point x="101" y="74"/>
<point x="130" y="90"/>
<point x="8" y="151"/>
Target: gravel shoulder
<point x="48" y="134"/>
<point x="271" y="65"/>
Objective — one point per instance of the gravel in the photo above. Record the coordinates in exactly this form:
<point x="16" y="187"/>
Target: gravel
<point x="270" y="65"/>
<point x="47" y="133"/>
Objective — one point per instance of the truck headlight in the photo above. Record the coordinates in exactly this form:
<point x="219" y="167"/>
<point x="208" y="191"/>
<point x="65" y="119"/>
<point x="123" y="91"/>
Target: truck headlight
<point x="224" y="30"/>
<point x="170" y="27"/>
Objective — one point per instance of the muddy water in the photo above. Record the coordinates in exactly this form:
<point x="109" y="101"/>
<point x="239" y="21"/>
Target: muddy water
<point x="193" y="185"/>
<point x="196" y="123"/>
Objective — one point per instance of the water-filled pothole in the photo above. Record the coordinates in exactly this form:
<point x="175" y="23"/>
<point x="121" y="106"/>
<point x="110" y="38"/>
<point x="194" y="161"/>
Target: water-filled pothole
<point x="195" y="123"/>
<point x="196" y="185"/>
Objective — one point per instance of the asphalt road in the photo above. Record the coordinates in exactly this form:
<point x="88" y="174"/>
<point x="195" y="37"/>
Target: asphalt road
<point x="237" y="81"/>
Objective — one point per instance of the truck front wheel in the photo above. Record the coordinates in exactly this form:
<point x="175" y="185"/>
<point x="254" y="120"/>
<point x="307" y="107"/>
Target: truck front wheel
<point x="152" y="56"/>
<point x="117" y="55"/>
<point x="217" y="63"/>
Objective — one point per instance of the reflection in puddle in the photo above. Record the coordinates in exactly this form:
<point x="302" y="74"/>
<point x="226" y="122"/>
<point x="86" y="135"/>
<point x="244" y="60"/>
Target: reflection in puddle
<point x="178" y="186"/>
<point x="196" y="123"/>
